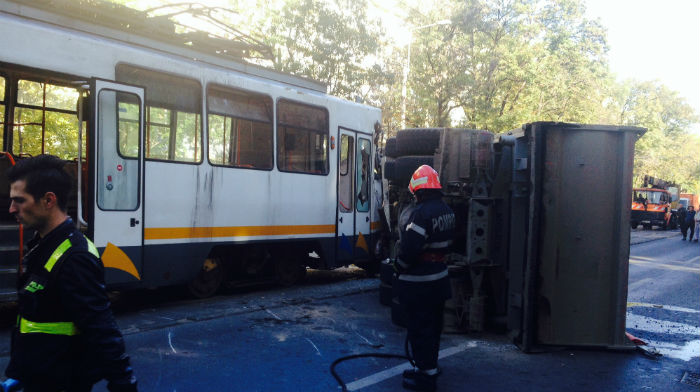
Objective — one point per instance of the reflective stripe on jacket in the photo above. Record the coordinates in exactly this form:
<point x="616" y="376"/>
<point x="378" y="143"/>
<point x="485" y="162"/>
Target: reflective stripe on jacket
<point x="424" y="278"/>
<point x="65" y="331"/>
<point x="60" y="327"/>
<point x="427" y="227"/>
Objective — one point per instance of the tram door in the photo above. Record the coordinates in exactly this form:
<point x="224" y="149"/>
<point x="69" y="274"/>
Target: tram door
<point x="354" y="191"/>
<point x="117" y="159"/>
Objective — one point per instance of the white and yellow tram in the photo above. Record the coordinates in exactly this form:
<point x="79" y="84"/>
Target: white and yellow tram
<point x="187" y="165"/>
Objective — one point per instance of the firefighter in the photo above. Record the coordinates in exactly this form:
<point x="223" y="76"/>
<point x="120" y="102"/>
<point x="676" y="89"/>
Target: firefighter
<point x="426" y="232"/>
<point x="66" y="338"/>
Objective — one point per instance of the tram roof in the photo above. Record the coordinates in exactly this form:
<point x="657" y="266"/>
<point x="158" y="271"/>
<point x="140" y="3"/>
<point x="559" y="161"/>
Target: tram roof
<point x="115" y="21"/>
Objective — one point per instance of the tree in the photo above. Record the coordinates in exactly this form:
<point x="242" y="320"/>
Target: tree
<point x="58" y="131"/>
<point x="667" y="150"/>
<point x="502" y="63"/>
<point x="328" y="41"/>
<point x="497" y="65"/>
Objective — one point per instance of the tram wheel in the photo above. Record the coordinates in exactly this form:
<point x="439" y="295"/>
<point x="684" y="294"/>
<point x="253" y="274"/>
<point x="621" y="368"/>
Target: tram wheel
<point x="289" y="272"/>
<point x="371" y="268"/>
<point x="208" y="280"/>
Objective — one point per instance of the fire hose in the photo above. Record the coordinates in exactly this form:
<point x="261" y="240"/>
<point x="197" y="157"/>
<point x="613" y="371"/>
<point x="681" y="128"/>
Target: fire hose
<point x="344" y="387"/>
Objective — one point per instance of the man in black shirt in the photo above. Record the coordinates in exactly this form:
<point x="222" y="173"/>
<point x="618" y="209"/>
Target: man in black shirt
<point x="66" y="338"/>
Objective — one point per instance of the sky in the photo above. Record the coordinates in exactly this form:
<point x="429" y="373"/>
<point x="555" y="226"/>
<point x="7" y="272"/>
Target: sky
<point x="654" y="40"/>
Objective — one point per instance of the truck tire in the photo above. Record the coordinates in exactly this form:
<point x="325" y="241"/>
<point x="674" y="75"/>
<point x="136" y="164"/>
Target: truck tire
<point x="418" y="141"/>
<point x="634" y="224"/>
<point x="405" y="166"/>
<point x="289" y="272"/>
<point x="389" y="168"/>
<point x="390" y="148"/>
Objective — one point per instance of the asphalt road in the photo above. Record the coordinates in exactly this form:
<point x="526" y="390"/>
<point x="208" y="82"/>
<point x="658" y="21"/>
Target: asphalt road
<point x="664" y="297"/>
<point x="271" y="339"/>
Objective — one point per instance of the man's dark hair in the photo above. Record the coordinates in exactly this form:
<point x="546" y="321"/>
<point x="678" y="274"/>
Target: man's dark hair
<point x="43" y="173"/>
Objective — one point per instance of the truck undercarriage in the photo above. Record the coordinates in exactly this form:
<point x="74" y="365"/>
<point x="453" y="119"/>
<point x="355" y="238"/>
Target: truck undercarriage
<point x="526" y="257"/>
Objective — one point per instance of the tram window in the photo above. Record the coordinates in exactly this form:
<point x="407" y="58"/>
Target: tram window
<point x="347" y="149"/>
<point x="128" y="128"/>
<point x="45" y="120"/>
<point x="363" y="174"/>
<point x="56" y="97"/>
<point x="302" y="138"/>
<point x="173" y="115"/>
<point x="116" y="189"/>
<point x="188" y="144"/>
<point x="157" y="133"/>
<point x="2" y="108"/>
<point x="240" y="128"/>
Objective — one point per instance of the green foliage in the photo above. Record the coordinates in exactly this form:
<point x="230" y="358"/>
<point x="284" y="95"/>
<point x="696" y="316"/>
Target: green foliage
<point x="667" y="150"/>
<point x="329" y="41"/>
<point x="496" y="65"/>
<point x="510" y="62"/>
<point x="60" y="130"/>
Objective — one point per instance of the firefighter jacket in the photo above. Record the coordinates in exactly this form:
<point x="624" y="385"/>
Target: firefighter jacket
<point x="65" y="330"/>
<point x="426" y="232"/>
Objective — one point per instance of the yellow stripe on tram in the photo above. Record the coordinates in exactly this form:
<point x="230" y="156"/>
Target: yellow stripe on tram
<point x="167" y="233"/>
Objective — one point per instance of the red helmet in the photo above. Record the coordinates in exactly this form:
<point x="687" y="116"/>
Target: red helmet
<point x="425" y="177"/>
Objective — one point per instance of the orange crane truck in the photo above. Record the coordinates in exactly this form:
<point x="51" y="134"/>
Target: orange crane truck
<point x="654" y="204"/>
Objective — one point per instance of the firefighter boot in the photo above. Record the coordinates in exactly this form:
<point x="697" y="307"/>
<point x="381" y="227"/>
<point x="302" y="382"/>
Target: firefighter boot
<point x="419" y="381"/>
<point x="411" y="373"/>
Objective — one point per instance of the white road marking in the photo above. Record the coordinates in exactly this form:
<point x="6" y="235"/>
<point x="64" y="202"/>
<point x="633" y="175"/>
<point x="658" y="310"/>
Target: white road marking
<point x="170" y="342"/>
<point x="396" y="370"/>
<point x="664" y="265"/>
<point x="273" y="315"/>
<point x="667" y="307"/>
<point x="686" y="352"/>
<point x="658" y="259"/>
<point x="649" y="324"/>
<point x="364" y="338"/>
<point x="312" y="343"/>
<point x="643" y="258"/>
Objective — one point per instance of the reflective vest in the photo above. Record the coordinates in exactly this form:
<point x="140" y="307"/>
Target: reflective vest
<point x="52" y="328"/>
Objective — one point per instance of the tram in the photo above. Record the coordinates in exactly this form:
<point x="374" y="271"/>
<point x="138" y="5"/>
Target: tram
<point x="189" y="166"/>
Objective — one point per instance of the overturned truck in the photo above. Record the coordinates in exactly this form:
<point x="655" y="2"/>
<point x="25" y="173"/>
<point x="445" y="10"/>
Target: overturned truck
<point x="542" y="242"/>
